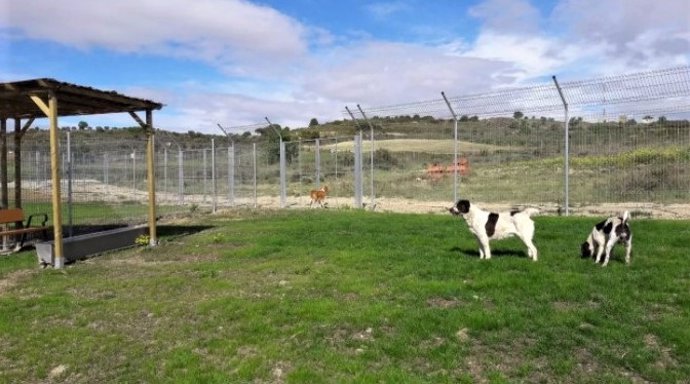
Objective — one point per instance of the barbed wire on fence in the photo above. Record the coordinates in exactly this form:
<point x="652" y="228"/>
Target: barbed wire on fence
<point x="668" y="86"/>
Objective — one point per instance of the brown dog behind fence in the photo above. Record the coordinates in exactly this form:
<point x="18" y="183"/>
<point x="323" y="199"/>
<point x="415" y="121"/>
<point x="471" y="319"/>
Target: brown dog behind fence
<point x="318" y="195"/>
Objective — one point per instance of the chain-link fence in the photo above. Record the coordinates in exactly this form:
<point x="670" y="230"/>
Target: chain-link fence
<point x="627" y="141"/>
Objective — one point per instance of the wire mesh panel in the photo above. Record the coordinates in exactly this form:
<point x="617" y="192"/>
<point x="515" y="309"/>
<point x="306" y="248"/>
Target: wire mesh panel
<point x="97" y="187"/>
<point x="103" y="188"/>
<point x="318" y="163"/>
<point x="634" y="158"/>
<point x="626" y="142"/>
<point x="35" y="181"/>
<point x="512" y="159"/>
<point x="245" y="176"/>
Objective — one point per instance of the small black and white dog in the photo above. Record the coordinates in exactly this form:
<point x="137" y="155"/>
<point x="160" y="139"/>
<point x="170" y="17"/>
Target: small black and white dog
<point x="605" y="235"/>
<point x="488" y="226"/>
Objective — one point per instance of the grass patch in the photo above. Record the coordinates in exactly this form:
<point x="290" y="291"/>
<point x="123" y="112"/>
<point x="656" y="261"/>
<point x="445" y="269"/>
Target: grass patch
<point x="352" y="296"/>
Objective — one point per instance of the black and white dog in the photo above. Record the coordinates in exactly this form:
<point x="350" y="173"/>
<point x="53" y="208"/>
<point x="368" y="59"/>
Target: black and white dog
<point x="605" y="235"/>
<point x="488" y="226"/>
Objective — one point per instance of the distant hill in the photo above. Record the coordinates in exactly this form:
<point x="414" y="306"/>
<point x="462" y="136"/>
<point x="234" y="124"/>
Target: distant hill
<point x="500" y="131"/>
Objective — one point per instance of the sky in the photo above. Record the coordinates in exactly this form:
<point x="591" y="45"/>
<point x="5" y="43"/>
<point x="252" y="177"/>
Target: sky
<point x="236" y="62"/>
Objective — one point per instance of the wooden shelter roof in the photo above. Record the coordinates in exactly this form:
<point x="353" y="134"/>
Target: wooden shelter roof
<point x="73" y="99"/>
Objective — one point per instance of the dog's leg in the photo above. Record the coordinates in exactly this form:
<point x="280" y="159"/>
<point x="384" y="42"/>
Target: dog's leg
<point x="600" y="251"/>
<point x="531" y="249"/>
<point x="609" y="248"/>
<point x="525" y="232"/>
<point x="481" y="248"/>
<point x="628" y="248"/>
<point x="487" y="248"/>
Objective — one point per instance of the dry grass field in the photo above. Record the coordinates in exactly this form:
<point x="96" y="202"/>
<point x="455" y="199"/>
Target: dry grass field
<point x="414" y="145"/>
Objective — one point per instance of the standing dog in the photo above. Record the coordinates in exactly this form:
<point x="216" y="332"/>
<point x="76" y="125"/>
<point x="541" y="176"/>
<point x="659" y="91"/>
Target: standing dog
<point x="488" y="226"/>
<point x="605" y="235"/>
<point x="318" y="195"/>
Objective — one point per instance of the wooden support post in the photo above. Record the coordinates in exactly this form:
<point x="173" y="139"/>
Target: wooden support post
<point x="4" y="199"/>
<point x="51" y="110"/>
<point x="17" y="163"/>
<point x="4" y="202"/>
<point x="151" y="176"/>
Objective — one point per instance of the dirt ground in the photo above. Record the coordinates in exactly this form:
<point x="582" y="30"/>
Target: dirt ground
<point x="93" y="190"/>
<point x="399" y="205"/>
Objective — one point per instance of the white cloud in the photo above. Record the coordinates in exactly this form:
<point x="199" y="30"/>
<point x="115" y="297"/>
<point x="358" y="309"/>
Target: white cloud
<point x="295" y="71"/>
<point x="587" y="37"/>
<point x="640" y="34"/>
<point x="381" y="10"/>
<point x="527" y="57"/>
<point x="201" y="111"/>
<point x="507" y="16"/>
<point x="234" y="34"/>
<point x="382" y="72"/>
<point x="375" y="73"/>
<point x="621" y="21"/>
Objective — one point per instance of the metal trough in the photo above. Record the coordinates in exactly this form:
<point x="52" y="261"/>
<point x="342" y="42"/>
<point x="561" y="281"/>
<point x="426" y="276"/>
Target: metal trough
<point x="84" y="246"/>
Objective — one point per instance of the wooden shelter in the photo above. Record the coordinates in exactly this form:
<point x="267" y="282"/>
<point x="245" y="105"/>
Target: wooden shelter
<point x="39" y="98"/>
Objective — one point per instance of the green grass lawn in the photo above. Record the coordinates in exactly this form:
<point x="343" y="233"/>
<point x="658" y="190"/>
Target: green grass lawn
<point x="328" y="296"/>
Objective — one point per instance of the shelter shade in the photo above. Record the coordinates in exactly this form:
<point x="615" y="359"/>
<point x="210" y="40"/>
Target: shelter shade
<point x="27" y="100"/>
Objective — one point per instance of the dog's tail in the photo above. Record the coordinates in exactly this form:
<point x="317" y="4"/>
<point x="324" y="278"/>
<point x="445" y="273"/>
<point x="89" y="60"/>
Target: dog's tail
<point x="625" y="217"/>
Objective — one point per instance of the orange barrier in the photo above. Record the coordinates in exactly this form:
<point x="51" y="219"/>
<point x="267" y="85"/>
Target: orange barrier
<point x="436" y="171"/>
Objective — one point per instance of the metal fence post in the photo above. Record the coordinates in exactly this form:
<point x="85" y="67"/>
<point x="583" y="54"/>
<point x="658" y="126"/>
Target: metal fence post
<point x="282" y="174"/>
<point x="105" y="169"/>
<point x="134" y="169"/>
<point x="231" y="174"/>
<point x="455" y="148"/>
<point x="371" y="138"/>
<point x="165" y="170"/>
<point x="299" y="163"/>
<point x="358" y="162"/>
<point x="180" y="175"/>
<point x="358" y="170"/>
<point x="566" y="155"/>
<point x="39" y="174"/>
<point x="254" y="159"/>
<point x="205" y="174"/>
<point x="214" y="198"/>
<point x="336" y="159"/>
<point x="317" y="157"/>
<point x="70" y="208"/>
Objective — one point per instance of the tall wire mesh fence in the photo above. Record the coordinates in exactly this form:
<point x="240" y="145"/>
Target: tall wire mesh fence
<point x="627" y="139"/>
<point x="628" y="146"/>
